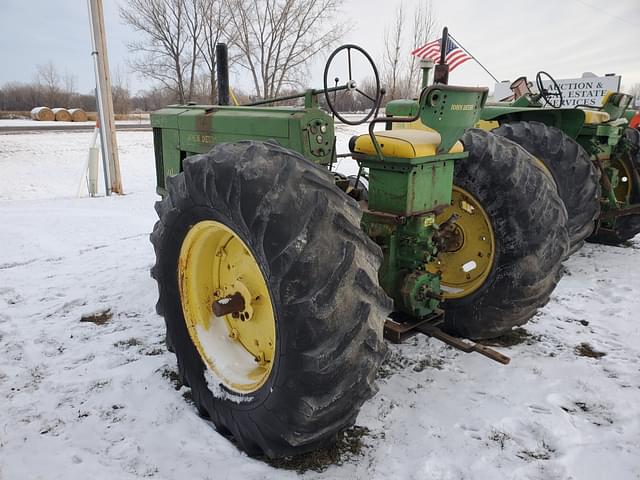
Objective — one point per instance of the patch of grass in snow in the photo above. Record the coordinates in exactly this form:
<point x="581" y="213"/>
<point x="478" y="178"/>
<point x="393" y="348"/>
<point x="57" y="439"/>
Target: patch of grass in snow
<point x="173" y="376"/>
<point x="543" y="452"/>
<point x="99" y="318"/>
<point x="586" y="350"/>
<point x="128" y="343"/>
<point x="499" y="437"/>
<point x="348" y="446"/>
<point x="396" y="361"/>
<point x="513" y="337"/>
<point x="152" y="352"/>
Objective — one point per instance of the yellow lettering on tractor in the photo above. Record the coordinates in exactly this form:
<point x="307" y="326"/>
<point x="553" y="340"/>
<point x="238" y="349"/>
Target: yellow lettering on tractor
<point x="196" y="137"/>
<point x="460" y="107"/>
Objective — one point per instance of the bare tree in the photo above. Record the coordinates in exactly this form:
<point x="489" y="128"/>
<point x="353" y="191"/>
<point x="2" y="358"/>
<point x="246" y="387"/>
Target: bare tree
<point x="277" y="38"/>
<point x="401" y="71"/>
<point x="120" y="92"/>
<point x="48" y="78"/>
<point x="216" y="18"/>
<point x="424" y="30"/>
<point x="633" y="90"/>
<point x="166" y="53"/>
<point x="394" y="54"/>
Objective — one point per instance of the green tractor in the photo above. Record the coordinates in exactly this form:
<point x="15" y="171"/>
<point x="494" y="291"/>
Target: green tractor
<point x="278" y="278"/>
<point x="591" y="153"/>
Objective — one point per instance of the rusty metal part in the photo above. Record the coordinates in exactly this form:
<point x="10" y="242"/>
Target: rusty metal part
<point x="233" y="304"/>
<point x="400" y="328"/>
<point x="620" y="212"/>
<point x="467" y="346"/>
<point x="449" y="237"/>
<point x="396" y="330"/>
<point x="394" y="218"/>
<point x="604" y="178"/>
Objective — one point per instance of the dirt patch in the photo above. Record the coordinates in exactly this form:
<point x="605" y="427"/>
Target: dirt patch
<point x="349" y="445"/>
<point x="514" y="337"/>
<point x="586" y="350"/>
<point x="99" y="318"/>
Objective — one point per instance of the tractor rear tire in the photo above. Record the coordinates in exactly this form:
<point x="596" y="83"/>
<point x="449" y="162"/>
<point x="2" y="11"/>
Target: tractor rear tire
<point x="627" y="227"/>
<point x="321" y="272"/>
<point x="575" y="175"/>
<point x="528" y="221"/>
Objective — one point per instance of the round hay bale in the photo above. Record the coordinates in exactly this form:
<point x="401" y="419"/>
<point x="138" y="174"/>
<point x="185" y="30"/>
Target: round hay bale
<point x="62" y="114"/>
<point x="78" y="115"/>
<point x="43" y="114"/>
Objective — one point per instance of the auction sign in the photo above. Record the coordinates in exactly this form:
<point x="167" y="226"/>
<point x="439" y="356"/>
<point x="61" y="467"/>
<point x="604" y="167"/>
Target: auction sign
<point x="587" y="91"/>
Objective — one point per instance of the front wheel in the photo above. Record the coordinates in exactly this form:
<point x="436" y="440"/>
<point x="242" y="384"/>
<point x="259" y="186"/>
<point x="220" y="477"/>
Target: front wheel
<point x="503" y="255"/>
<point x="269" y="291"/>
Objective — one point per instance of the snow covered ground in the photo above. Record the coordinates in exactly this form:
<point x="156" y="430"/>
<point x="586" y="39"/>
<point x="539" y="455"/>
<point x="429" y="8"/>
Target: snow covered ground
<point x="98" y="399"/>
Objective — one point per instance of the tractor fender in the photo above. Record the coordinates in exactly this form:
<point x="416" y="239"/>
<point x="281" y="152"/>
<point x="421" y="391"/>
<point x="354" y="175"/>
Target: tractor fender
<point x="569" y="120"/>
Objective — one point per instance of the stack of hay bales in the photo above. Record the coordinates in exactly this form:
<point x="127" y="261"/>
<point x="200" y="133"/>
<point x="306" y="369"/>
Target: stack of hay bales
<point x="43" y="114"/>
<point x="46" y="114"/>
<point x="62" y="114"/>
<point x="78" y="115"/>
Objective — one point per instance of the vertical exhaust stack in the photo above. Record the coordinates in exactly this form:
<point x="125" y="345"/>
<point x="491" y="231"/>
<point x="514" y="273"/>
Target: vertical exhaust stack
<point x="441" y="72"/>
<point x="222" y="71"/>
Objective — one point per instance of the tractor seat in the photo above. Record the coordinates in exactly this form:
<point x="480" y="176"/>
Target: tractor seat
<point x="402" y="143"/>
<point x="595" y="117"/>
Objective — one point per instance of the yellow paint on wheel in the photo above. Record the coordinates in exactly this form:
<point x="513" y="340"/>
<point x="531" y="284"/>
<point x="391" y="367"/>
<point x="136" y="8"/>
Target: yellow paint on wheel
<point x="238" y="348"/>
<point x="469" y="259"/>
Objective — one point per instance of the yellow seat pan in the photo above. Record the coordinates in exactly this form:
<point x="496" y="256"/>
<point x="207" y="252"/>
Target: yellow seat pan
<point x="404" y="143"/>
<point x="594" y="117"/>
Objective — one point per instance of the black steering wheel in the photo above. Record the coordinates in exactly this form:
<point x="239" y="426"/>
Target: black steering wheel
<point x="351" y="85"/>
<point x="552" y="97"/>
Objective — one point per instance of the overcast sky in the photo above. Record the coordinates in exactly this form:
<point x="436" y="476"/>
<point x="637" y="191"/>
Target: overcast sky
<point x="563" y="37"/>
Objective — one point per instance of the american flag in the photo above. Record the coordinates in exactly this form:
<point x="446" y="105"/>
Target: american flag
<point x="454" y="54"/>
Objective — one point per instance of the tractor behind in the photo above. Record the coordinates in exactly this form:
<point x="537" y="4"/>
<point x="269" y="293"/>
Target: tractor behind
<point x="591" y="152"/>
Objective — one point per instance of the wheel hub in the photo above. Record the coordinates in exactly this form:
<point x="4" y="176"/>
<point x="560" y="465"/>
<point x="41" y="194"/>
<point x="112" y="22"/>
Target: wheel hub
<point x="466" y="257"/>
<point x="227" y="306"/>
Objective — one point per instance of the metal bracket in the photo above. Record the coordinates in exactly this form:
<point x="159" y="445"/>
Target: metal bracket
<point x="396" y="330"/>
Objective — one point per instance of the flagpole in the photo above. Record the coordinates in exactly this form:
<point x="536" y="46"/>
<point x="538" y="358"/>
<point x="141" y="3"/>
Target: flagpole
<point x="477" y="61"/>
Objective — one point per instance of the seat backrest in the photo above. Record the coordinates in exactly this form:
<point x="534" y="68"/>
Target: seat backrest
<point x="450" y="110"/>
<point x="615" y="104"/>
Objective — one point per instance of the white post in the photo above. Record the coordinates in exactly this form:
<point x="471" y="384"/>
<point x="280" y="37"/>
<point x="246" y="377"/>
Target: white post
<point x="104" y="99"/>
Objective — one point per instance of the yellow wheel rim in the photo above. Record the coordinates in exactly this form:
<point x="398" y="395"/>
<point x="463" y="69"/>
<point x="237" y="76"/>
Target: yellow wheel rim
<point x="238" y="347"/>
<point x="468" y="261"/>
<point x="623" y="189"/>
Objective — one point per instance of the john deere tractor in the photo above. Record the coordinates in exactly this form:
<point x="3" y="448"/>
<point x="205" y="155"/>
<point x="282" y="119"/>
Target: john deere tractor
<point x="278" y="277"/>
<point x="591" y="153"/>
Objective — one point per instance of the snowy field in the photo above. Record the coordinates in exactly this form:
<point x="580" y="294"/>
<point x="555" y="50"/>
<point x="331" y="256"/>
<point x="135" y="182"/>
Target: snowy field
<point x="144" y="118"/>
<point x="99" y="399"/>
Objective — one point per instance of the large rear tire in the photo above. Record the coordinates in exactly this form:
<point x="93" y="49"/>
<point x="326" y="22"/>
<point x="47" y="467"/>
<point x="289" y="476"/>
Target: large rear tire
<point x="528" y="225"/>
<point x="320" y="270"/>
<point x="577" y="179"/>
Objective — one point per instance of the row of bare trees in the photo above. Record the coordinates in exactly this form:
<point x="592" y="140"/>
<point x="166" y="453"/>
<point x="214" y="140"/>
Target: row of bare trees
<point x="273" y="40"/>
<point x="53" y="89"/>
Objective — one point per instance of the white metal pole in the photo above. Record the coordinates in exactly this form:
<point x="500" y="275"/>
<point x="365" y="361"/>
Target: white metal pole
<point x="105" y="101"/>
